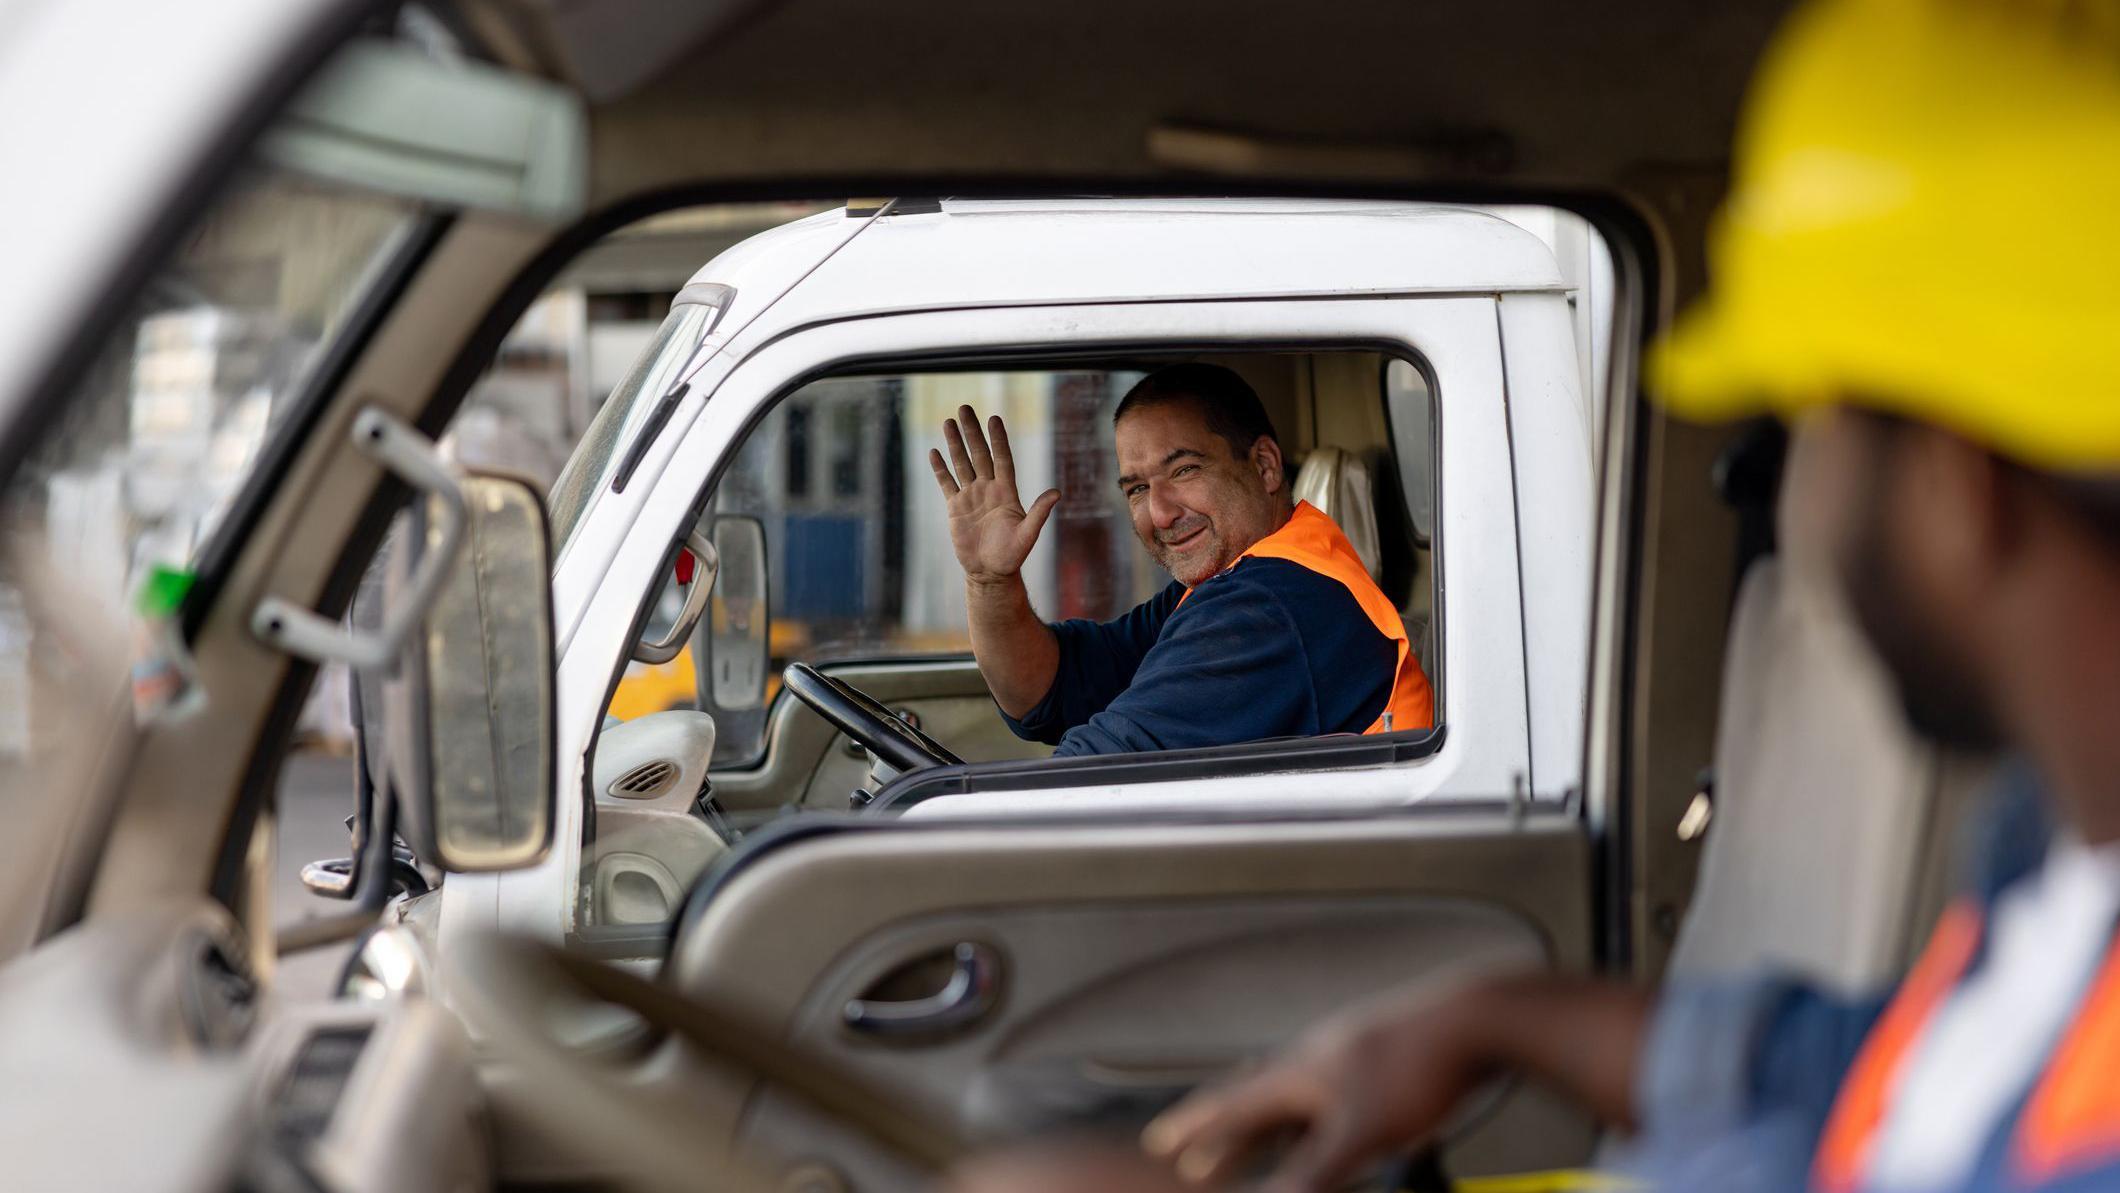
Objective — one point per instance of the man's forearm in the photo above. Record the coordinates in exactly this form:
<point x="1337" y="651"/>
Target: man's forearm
<point x="1017" y="653"/>
<point x="1582" y="1036"/>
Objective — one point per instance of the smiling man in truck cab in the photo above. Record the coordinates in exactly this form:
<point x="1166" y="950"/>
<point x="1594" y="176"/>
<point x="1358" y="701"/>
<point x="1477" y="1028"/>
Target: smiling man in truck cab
<point x="1270" y="627"/>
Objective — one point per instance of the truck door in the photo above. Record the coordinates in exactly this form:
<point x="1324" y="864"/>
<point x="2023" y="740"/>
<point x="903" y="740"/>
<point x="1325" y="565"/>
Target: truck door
<point x="1480" y="753"/>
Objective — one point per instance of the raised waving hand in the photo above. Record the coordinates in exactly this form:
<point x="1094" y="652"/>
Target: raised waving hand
<point x="989" y="527"/>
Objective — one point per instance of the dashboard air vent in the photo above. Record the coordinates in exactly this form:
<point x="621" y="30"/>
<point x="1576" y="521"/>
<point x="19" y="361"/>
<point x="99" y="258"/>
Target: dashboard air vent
<point x="646" y="781"/>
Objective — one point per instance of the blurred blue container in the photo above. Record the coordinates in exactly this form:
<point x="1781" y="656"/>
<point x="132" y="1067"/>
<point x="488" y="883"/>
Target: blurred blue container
<point x="823" y="568"/>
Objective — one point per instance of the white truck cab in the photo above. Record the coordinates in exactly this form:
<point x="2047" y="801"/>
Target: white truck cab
<point x="1431" y="350"/>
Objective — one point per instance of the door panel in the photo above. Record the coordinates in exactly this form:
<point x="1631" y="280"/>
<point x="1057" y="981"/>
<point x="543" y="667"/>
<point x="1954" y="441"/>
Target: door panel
<point x="1128" y="961"/>
<point x="1112" y="1012"/>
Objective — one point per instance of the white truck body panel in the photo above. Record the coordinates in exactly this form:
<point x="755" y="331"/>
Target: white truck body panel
<point x="1552" y="449"/>
<point x="1094" y="251"/>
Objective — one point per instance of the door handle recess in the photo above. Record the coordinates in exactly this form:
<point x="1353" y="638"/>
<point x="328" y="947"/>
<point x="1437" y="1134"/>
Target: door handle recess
<point x="412" y="458"/>
<point x="973" y="988"/>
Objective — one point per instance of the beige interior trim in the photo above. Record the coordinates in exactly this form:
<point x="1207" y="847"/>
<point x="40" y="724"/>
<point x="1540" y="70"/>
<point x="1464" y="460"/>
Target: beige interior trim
<point x="1680" y="567"/>
<point x="841" y="887"/>
<point x="1099" y="918"/>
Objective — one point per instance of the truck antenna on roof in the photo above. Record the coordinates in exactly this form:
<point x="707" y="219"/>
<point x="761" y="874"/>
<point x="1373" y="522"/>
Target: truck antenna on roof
<point x="865" y="208"/>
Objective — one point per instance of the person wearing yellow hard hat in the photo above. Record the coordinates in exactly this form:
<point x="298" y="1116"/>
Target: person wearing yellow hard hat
<point x="1918" y="265"/>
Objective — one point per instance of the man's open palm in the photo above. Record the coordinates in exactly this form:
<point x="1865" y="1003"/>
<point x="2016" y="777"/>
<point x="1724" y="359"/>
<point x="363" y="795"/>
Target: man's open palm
<point x="989" y="527"/>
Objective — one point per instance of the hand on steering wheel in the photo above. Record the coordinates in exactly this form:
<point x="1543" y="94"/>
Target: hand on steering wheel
<point x="875" y="727"/>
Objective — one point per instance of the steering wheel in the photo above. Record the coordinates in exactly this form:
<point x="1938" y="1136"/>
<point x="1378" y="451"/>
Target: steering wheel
<point x="580" y="1094"/>
<point x="875" y="727"/>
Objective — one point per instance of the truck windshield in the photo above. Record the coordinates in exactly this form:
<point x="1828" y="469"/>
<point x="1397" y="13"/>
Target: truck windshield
<point x="589" y="470"/>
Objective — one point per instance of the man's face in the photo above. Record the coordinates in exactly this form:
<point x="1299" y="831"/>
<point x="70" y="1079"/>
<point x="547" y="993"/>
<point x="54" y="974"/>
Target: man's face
<point x="1871" y="513"/>
<point x="1196" y="504"/>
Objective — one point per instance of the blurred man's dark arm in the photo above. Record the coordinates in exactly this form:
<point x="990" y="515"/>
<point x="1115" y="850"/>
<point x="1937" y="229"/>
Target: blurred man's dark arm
<point x="1380" y="1079"/>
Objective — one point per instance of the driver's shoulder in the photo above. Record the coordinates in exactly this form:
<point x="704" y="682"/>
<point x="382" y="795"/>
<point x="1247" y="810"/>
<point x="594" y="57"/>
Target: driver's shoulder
<point x="1317" y="612"/>
<point x="1266" y="586"/>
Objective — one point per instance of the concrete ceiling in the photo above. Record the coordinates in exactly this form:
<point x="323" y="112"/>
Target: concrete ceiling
<point x="1191" y="95"/>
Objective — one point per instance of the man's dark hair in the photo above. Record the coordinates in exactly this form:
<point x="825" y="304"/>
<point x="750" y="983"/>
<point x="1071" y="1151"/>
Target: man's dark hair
<point x="1228" y="403"/>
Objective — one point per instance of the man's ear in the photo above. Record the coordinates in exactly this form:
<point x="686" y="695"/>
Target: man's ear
<point x="1964" y="500"/>
<point x="1273" y="470"/>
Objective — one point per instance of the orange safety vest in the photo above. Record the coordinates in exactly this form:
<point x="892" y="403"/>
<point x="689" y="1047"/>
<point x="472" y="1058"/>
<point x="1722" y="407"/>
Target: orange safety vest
<point x="1310" y="539"/>
<point x="2072" y="1118"/>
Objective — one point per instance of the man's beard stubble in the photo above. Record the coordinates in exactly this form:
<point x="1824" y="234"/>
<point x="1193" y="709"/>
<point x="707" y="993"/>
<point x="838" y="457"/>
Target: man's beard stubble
<point x="1164" y="555"/>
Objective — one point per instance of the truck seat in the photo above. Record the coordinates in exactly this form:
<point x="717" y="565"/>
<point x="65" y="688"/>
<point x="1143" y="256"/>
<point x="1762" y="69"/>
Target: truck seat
<point x="1337" y="482"/>
<point x="1831" y="846"/>
<point x="1341" y="486"/>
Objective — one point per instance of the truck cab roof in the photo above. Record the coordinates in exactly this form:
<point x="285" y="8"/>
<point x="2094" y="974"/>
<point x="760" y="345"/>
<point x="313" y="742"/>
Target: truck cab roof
<point x="971" y="254"/>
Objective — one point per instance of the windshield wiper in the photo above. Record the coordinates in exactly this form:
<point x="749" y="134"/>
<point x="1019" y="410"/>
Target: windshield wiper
<point x="657" y="419"/>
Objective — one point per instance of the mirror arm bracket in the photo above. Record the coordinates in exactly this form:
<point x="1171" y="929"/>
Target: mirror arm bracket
<point x="706" y="566"/>
<point x="374" y="859"/>
<point x="411" y="457"/>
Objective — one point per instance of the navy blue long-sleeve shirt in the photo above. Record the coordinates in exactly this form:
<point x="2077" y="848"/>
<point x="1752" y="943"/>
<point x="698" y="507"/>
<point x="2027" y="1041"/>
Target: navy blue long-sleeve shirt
<point x="1265" y="649"/>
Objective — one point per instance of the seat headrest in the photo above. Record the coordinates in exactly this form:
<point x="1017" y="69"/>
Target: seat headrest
<point x="1337" y="482"/>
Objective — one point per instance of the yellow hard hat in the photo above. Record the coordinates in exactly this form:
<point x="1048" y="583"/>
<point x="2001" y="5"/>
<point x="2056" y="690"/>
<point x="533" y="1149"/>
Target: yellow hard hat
<point x="1925" y="217"/>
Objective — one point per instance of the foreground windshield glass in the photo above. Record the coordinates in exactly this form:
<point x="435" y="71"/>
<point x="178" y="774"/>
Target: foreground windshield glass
<point x="589" y="471"/>
<point x="99" y="528"/>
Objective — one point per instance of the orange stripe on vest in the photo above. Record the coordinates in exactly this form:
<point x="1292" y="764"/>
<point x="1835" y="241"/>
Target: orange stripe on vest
<point x="1311" y="540"/>
<point x="2072" y="1120"/>
<point x="1851" y="1132"/>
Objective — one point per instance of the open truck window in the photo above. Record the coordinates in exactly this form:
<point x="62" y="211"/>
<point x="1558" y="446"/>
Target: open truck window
<point x="861" y="570"/>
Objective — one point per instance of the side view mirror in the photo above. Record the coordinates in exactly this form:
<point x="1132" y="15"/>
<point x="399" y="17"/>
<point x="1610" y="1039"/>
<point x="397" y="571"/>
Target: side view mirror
<point x="738" y="642"/>
<point x="697" y="565"/>
<point x="470" y="720"/>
